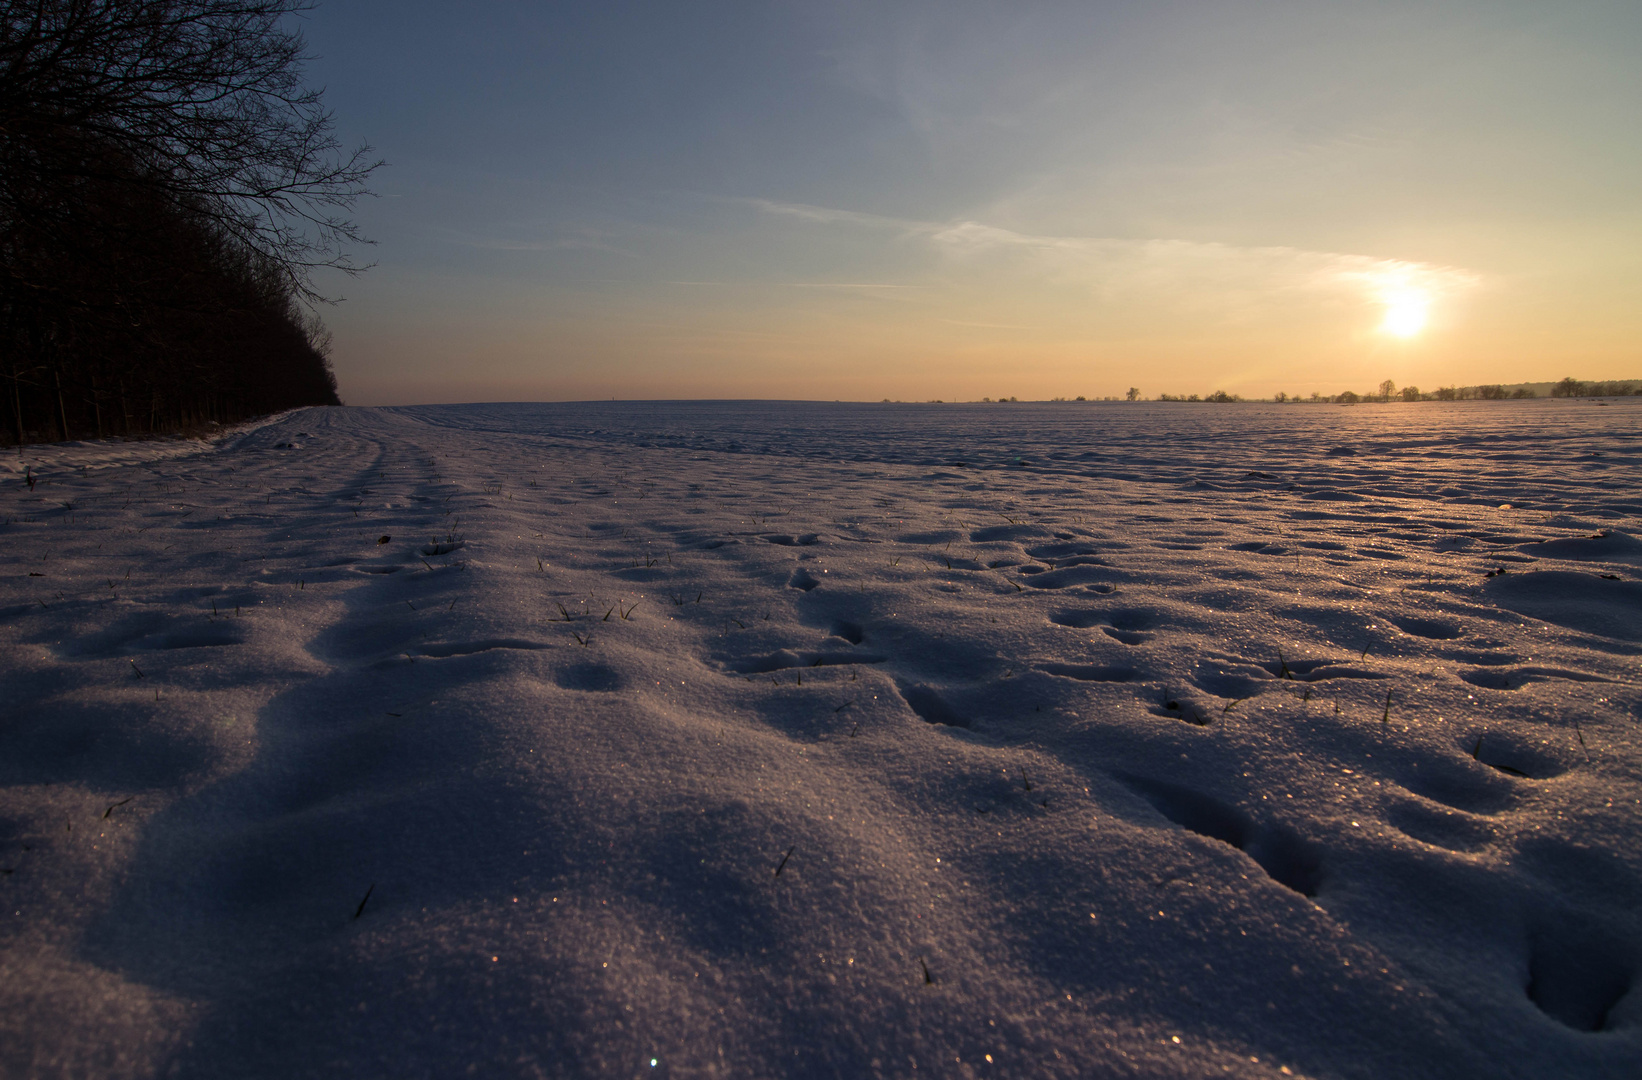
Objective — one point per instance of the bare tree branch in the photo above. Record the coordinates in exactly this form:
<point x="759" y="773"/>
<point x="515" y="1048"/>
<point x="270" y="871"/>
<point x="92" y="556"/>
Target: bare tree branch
<point x="199" y="101"/>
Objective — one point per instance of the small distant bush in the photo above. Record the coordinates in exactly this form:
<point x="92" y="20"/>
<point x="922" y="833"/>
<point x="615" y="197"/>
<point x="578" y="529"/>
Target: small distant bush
<point x="1348" y="398"/>
<point x="1411" y="393"/>
<point x="1569" y="387"/>
<point x="1523" y="392"/>
<point x="1221" y="397"/>
<point x="1491" y="393"/>
<point x="1447" y="393"/>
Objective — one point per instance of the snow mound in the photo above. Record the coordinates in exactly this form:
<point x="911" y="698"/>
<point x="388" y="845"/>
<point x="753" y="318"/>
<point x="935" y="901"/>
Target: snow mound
<point x="1602" y="547"/>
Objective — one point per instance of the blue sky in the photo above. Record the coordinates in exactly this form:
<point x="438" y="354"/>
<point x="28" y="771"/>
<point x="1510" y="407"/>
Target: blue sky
<point x="943" y="201"/>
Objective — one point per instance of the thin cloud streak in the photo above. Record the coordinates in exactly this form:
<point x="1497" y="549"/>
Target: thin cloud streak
<point x="798" y="284"/>
<point x="844" y="285"/>
<point x="1242" y="279"/>
<point x="1240" y="282"/>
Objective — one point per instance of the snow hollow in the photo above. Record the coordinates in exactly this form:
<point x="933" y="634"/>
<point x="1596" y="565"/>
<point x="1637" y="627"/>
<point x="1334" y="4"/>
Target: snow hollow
<point x="804" y="740"/>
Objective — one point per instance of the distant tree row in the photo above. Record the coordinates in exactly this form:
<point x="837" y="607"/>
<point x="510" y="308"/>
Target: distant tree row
<point x="167" y="189"/>
<point x="1389" y="391"/>
<point x="1571" y="387"/>
<point x="1386" y="392"/>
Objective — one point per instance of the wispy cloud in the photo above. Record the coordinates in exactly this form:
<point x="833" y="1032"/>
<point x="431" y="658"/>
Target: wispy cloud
<point x="573" y="242"/>
<point x="845" y="285"/>
<point x="1247" y="274"/>
<point x="1236" y="280"/>
<point x="826" y="215"/>
<point x="800" y="284"/>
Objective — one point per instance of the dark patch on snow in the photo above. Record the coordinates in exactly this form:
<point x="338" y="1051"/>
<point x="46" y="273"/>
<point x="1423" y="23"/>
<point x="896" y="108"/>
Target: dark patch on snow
<point x="1435" y="629"/>
<point x="939" y="536"/>
<point x="1285" y="857"/>
<point x="590" y="676"/>
<point x="1602" y="547"/>
<point x="1463" y="787"/>
<point x="849" y="631"/>
<point x="1577" y="973"/>
<point x="932" y="707"/>
<point x="1583" y="602"/>
<point x="1116" y="618"/>
<point x="785" y="540"/>
<point x="1226" y="684"/>
<point x="1070" y="575"/>
<point x="783" y="659"/>
<point x="1090" y="672"/>
<point x="1516" y="756"/>
<point x="1329" y="670"/>
<point x="153" y="632"/>
<point x="1442" y="827"/>
<point x="105" y="746"/>
<point x="1012" y="531"/>
<point x="468" y="648"/>
<point x="1299" y="670"/>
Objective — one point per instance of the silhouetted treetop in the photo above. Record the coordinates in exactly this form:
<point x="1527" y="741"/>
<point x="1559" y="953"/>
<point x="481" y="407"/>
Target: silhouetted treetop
<point x="197" y="102"/>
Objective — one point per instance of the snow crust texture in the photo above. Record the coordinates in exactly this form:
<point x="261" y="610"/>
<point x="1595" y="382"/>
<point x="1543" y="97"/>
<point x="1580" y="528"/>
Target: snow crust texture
<point x="736" y="739"/>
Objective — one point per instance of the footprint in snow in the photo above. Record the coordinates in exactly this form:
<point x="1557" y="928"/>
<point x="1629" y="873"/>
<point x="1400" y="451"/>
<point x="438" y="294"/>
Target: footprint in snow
<point x="1441" y="826"/>
<point x="1583" y="975"/>
<point x="931" y="707"/>
<point x="1285" y="857"/>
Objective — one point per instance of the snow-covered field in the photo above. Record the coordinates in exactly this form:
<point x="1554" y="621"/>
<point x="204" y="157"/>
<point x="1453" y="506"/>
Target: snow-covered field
<point x="762" y="740"/>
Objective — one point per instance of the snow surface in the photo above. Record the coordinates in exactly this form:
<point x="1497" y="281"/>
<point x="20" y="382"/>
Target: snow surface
<point x="734" y="739"/>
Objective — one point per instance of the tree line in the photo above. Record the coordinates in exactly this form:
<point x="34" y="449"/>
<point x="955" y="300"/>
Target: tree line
<point x="1390" y="391"/>
<point x="168" y="187"/>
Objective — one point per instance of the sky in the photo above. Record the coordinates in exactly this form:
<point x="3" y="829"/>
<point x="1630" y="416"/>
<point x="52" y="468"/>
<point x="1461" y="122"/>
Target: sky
<point x="917" y="201"/>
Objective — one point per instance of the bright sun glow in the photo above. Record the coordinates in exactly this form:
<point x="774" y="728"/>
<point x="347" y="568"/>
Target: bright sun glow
<point x="1405" y="312"/>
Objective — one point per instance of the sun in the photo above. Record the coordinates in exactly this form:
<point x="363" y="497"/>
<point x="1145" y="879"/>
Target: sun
<point x="1405" y="312"/>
